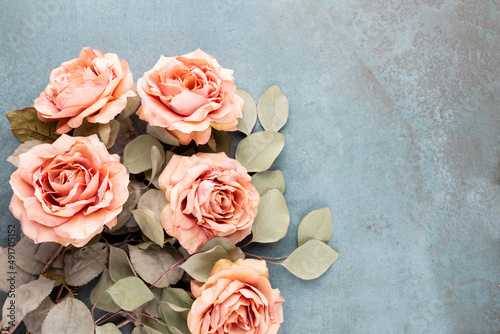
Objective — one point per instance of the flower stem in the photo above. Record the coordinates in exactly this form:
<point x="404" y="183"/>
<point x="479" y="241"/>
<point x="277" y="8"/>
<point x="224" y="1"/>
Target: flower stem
<point x="52" y="259"/>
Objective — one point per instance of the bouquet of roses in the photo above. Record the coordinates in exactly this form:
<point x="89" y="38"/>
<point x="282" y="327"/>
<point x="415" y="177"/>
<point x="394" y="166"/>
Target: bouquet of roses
<point x="156" y="221"/>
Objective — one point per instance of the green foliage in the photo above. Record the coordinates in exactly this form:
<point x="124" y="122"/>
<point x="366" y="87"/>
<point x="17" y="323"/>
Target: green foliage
<point x="247" y="122"/>
<point x="199" y="265"/>
<point x="108" y="328"/>
<point x="235" y="252"/>
<point x="119" y="264"/>
<point x="26" y="126"/>
<point x="258" y="151"/>
<point x="272" y="109"/>
<point x="149" y="224"/>
<point x="107" y="132"/>
<point x="317" y="224"/>
<point x="270" y="179"/>
<point x="129" y="293"/>
<point x="152" y="262"/>
<point x="273" y="218"/>
<point x="137" y="156"/>
<point x="311" y="260"/>
<point x="100" y="297"/>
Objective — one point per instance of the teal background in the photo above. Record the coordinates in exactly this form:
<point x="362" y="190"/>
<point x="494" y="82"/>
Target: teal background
<point x="394" y="124"/>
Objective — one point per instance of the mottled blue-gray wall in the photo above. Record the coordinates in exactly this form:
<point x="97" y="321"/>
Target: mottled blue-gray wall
<point x="394" y="124"/>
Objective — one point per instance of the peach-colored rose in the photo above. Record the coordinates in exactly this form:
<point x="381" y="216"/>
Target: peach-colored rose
<point x="210" y="195"/>
<point x="93" y="86"/>
<point x="67" y="191"/>
<point x="237" y="298"/>
<point x="189" y="95"/>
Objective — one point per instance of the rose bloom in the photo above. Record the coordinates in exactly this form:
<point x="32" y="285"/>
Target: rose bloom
<point x="67" y="191"/>
<point x="237" y="298"/>
<point x="210" y="195"/>
<point x="189" y="95"/>
<point x="93" y="86"/>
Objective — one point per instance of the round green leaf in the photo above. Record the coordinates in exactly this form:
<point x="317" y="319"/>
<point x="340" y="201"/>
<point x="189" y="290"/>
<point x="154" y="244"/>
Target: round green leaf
<point x="152" y="262"/>
<point x="70" y="316"/>
<point x="176" y="320"/>
<point x="146" y="219"/>
<point x="199" y="265"/>
<point x="105" y="302"/>
<point x="272" y="109"/>
<point x="270" y="179"/>
<point x="162" y="135"/>
<point x="317" y="224"/>
<point x="247" y="122"/>
<point x="119" y="264"/>
<point x="85" y="264"/>
<point x="235" y="252"/>
<point x="153" y="200"/>
<point x="273" y="218"/>
<point x="157" y="159"/>
<point x="310" y="260"/>
<point x="178" y="299"/>
<point x="137" y="154"/>
<point x="129" y="293"/>
<point x="109" y="328"/>
<point x="133" y="103"/>
<point x="258" y="151"/>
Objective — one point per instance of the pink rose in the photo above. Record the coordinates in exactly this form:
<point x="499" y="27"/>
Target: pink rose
<point x="188" y="96"/>
<point x="93" y="86"/>
<point x="67" y="191"/>
<point x="210" y="195"/>
<point x="237" y="298"/>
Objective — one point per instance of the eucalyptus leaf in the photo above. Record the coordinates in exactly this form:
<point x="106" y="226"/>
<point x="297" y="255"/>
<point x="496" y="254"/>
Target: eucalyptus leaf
<point x="310" y="260"/>
<point x="25" y="251"/>
<point x="7" y="268"/>
<point x="273" y="218"/>
<point x="178" y="299"/>
<point x="113" y="135"/>
<point x="220" y="141"/>
<point x="34" y="319"/>
<point x="199" y="265"/>
<point x="153" y="200"/>
<point x="102" y="130"/>
<point x="119" y="264"/>
<point x="26" y="126"/>
<point x="155" y="180"/>
<point x="137" y="153"/>
<point x="152" y="262"/>
<point x="85" y="264"/>
<point x="108" y="328"/>
<point x="162" y="135"/>
<point x="129" y="293"/>
<point x="152" y="306"/>
<point x="133" y="103"/>
<point x="153" y="326"/>
<point x="70" y="316"/>
<point x="23" y="148"/>
<point x="272" y="109"/>
<point x="100" y="297"/>
<point x="270" y="179"/>
<point x="247" y="122"/>
<point x="317" y="224"/>
<point x="258" y="151"/>
<point x="177" y="320"/>
<point x="235" y="252"/>
<point x="157" y="159"/>
<point x="149" y="224"/>
<point x="25" y="299"/>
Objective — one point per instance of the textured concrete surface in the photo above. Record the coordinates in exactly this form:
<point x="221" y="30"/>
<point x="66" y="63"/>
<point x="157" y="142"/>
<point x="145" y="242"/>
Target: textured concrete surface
<point x="394" y="124"/>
